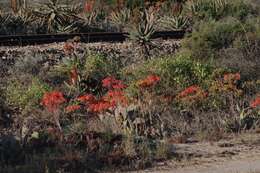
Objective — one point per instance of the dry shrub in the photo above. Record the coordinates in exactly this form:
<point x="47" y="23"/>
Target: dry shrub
<point x="236" y="59"/>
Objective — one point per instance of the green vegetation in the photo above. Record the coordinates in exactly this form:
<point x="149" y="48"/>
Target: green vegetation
<point x="91" y="112"/>
<point x="29" y="94"/>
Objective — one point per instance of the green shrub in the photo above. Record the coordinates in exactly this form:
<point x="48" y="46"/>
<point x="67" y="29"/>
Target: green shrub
<point x="240" y="9"/>
<point x="205" y="9"/>
<point x="90" y="70"/>
<point x="242" y="55"/>
<point x="218" y="9"/>
<point x="209" y="37"/>
<point x="175" y="72"/>
<point x="20" y="93"/>
<point x="98" y="67"/>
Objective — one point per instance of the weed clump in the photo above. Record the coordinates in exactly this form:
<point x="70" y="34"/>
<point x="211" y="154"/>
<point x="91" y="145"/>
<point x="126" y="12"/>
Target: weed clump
<point x="20" y="94"/>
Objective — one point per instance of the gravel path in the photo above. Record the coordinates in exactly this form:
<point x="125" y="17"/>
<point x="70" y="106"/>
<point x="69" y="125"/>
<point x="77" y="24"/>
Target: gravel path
<point x="239" y="155"/>
<point x="249" y="165"/>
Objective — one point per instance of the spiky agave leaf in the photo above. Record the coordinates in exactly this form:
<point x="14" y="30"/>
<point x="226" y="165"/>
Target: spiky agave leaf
<point x="202" y="8"/>
<point x="120" y="18"/>
<point x="174" y="22"/>
<point x="143" y="31"/>
<point x="57" y="15"/>
<point x="145" y="28"/>
<point x="3" y="18"/>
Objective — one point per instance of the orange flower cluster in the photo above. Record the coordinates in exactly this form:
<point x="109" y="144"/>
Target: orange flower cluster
<point x="100" y="106"/>
<point x="52" y="100"/>
<point x="228" y="84"/>
<point x="94" y="105"/>
<point x="149" y="81"/>
<point x="255" y="103"/>
<point x="112" y="83"/>
<point x="115" y="97"/>
<point x="88" y="98"/>
<point x="232" y="77"/>
<point x="89" y="6"/>
<point x="192" y="93"/>
<point x="68" y="48"/>
<point x="72" y="108"/>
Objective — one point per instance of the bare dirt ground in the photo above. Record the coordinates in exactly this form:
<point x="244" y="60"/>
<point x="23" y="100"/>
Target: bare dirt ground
<point x="238" y="154"/>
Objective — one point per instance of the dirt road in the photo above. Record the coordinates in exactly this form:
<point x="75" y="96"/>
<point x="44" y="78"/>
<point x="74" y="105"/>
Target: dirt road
<point x="236" y="155"/>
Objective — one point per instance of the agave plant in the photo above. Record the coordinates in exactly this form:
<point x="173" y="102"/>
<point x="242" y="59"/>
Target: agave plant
<point x="26" y="15"/>
<point x="55" y="14"/>
<point x="120" y="18"/>
<point x="3" y="18"/>
<point x="174" y="23"/>
<point x="218" y="6"/>
<point x="210" y="8"/>
<point x="66" y="29"/>
<point x="19" y="22"/>
<point x="93" y="14"/>
<point x="143" y="31"/>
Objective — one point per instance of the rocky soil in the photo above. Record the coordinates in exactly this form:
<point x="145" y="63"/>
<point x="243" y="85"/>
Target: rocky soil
<point x="126" y="52"/>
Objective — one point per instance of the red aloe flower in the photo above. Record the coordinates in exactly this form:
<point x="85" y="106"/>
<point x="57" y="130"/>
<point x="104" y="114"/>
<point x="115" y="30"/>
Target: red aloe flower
<point x="72" y="108"/>
<point x="52" y="100"/>
<point x="112" y="83"/>
<point x="153" y="78"/>
<point x="109" y="101"/>
<point x="148" y="81"/>
<point x="68" y="48"/>
<point x="255" y="103"/>
<point x="119" y="86"/>
<point x="108" y="81"/>
<point x="116" y="97"/>
<point x="189" y="91"/>
<point x="88" y="98"/>
<point x="100" y="106"/>
<point x="88" y="6"/>
<point x="232" y="77"/>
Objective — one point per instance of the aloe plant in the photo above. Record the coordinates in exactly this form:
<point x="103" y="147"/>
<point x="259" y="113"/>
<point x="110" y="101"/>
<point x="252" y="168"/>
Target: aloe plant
<point x="143" y="31"/>
<point x="3" y="18"/>
<point x="19" y="22"/>
<point x="55" y="14"/>
<point x="66" y="28"/>
<point x="207" y="8"/>
<point x="174" y="22"/>
<point x="120" y="18"/>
